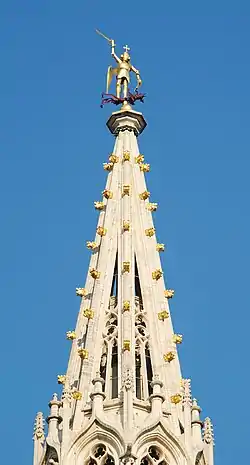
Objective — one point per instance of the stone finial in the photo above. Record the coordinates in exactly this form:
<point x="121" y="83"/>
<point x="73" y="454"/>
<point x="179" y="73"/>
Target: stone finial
<point x="39" y="427"/>
<point x="54" y="405"/>
<point x="196" y="422"/>
<point x="208" y="433"/>
<point x="156" y="397"/>
<point x="97" y="396"/>
<point x="54" y="418"/>
<point x="196" y="410"/>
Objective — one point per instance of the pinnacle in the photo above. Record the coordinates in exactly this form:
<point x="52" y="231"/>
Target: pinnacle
<point x="208" y="434"/>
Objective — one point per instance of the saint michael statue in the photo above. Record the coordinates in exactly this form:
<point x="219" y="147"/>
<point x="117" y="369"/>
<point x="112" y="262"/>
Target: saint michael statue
<point x="122" y="71"/>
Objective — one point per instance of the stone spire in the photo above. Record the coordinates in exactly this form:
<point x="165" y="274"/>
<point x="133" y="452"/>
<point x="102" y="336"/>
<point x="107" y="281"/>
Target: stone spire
<point x="123" y="393"/>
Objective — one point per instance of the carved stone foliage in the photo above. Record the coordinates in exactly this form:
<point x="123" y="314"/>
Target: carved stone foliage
<point x="154" y="456"/>
<point x="128" y="380"/>
<point x="99" y="455"/>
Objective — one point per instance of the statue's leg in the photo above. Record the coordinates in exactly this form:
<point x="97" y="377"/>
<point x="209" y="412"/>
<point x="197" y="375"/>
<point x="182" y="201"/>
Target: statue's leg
<point x="118" y="88"/>
<point x="125" y="88"/>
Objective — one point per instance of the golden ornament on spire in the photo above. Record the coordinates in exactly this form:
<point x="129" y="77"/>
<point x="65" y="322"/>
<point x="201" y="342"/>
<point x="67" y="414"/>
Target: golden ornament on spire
<point x="107" y="194"/>
<point x="177" y="338"/>
<point x="145" y="167"/>
<point x="61" y="379"/>
<point x="157" y="274"/>
<point x="77" y="395"/>
<point x="176" y="398"/>
<point x="169" y="356"/>
<point x="139" y="159"/>
<point x="91" y="245"/>
<point x="94" y="273"/>
<point x="160" y="247"/>
<point x="126" y="155"/>
<point x="122" y="70"/>
<point x="99" y="205"/>
<point x="163" y="315"/>
<point x="144" y="195"/>
<point x="83" y="354"/>
<point x="71" y="335"/>
<point x="101" y="231"/>
<point x="81" y="291"/>
<point x="113" y="158"/>
<point x="108" y="166"/>
<point x="126" y="189"/>
<point x="126" y="225"/>
<point x="151" y="207"/>
<point x="150" y="232"/>
<point x="169" y="293"/>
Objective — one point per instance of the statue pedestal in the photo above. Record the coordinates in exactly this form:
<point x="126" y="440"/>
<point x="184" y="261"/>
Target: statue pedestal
<point x="126" y="119"/>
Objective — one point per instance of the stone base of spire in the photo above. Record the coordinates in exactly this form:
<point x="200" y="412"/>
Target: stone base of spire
<point x="126" y="119"/>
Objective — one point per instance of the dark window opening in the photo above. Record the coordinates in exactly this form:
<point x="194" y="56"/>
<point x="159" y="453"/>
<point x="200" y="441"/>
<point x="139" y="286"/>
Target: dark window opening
<point x="114" y="287"/>
<point x="138" y="379"/>
<point x="149" y="369"/>
<point x="154" y="453"/>
<point x="137" y="282"/>
<point x="114" y="371"/>
<point x="103" y="365"/>
<point x="181" y="428"/>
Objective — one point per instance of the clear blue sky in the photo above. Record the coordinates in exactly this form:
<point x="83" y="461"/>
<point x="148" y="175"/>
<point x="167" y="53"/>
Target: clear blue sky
<point x="194" y="61"/>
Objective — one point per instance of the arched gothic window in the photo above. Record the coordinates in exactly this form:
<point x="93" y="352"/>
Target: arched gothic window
<point x="99" y="455"/>
<point x="154" y="456"/>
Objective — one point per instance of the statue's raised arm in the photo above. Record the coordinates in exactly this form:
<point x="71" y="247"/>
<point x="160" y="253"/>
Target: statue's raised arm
<point x="117" y="59"/>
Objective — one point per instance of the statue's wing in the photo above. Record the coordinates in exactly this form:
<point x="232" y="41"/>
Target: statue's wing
<point x="111" y="72"/>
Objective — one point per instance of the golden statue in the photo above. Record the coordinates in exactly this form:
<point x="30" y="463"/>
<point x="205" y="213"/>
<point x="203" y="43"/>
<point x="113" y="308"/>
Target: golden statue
<point x="122" y="71"/>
